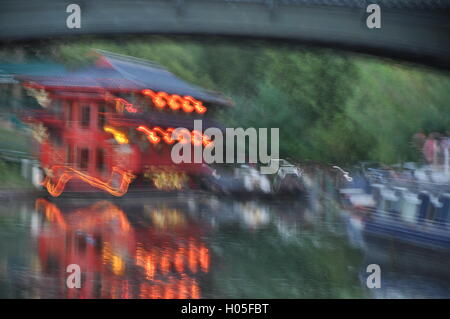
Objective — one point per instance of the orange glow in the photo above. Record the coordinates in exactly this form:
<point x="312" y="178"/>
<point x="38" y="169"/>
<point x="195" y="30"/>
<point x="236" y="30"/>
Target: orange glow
<point x="169" y="180"/>
<point x="195" y="289"/>
<point x="171" y="264"/>
<point x="56" y="189"/>
<point x="204" y="258"/>
<point x="175" y="102"/>
<point x="118" y="265"/>
<point x="192" y="257"/>
<point x="148" y="92"/>
<point x="199" y="107"/>
<point x="160" y="99"/>
<point x="164" y="262"/>
<point x="169" y="291"/>
<point x="179" y="260"/>
<point x="51" y="211"/>
<point x="182" y="289"/>
<point x="122" y="104"/>
<point x="119" y="136"/>
<point x="197" y="138"/>
<point x="181" y="136"/>
<point x="151" y="135"/>
<point x="101" y="212"/>
<point x="187" y="107"/>
<point x="131" y="109"/>
<point x="166" y="218"/>
<point x="167" y="135"/>
<point x="150" y="267"/>
<point x="156" y="292"/>
<point x="126" y="290"/>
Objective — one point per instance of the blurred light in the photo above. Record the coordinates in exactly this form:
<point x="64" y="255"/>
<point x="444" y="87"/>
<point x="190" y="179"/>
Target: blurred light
<point x="51" y="211"/>
<point x="175" y="102"/>
<point x="118" y="265"/>
<point x="167" y="135"/>
<point x="122" y="104"/>
<point x="151" y="135"/>
<point x="169" y="180"/>
<point x="119" y="136"/>
<point x="56" y="189"/>
<point x="197" y="138"/>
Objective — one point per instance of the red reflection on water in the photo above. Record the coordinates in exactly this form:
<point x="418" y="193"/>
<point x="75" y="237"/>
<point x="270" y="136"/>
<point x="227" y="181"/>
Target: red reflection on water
<point x="117" y="259"/>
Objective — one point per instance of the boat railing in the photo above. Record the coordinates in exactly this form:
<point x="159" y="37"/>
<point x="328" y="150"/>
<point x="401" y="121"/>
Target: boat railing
<point x="407" y="180"/>
<point x="387" y="216"/>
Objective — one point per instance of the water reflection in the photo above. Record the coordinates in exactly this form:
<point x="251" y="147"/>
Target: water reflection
<point x="172" y="247"/>
<point x="189" y="246"/>
<point x="408" y="271"/>
<point x="119" y="260"/>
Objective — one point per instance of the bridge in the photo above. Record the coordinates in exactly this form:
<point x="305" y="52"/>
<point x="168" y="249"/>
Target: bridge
<point x="411" y="30"/>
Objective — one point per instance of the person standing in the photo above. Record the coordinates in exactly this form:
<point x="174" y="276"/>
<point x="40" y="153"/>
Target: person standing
<point x="445" y="148"/>
<point x="430" y="149"/>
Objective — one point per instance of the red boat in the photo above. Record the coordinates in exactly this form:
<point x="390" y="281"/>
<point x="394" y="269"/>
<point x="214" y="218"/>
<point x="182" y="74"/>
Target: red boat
<point x="108" y="127"/>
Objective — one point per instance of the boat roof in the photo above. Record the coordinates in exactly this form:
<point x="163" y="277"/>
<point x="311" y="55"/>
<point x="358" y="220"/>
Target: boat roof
<point x="118" y="72"/>
<point x="8" y="70"/>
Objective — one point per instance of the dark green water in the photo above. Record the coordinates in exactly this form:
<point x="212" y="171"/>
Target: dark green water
<point x="193" y="247"/>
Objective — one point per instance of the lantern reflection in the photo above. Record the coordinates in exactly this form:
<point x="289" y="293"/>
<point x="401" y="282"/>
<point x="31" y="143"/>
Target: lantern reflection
<point x="118" y="259"/>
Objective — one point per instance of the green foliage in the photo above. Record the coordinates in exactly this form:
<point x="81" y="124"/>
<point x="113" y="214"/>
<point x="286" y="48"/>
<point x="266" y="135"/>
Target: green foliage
<point x="14" y="140"/>
<point x="10" y="176"/>
<point x="180" y="57"/>
<point x="391" y="103"/>
<point x="330" y="107"/>
<point x="297" y="91"/>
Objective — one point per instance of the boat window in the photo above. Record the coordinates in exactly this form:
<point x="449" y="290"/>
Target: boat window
<point x="85" y="116"/>
<point x="101" y="117"/>
<point x="69" y="155"/>
<point x="69" y="111"/>
<point x="55" y="137"/>
<point x="84" y="158"/>
<point x="100" y="159"/>
<point x="57" y="108"/>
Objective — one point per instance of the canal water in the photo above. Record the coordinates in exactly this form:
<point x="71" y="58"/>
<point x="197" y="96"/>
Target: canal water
<point x="201" y="246"/>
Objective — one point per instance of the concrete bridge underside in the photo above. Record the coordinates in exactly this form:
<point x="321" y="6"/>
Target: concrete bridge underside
<point x="416" y="30"/>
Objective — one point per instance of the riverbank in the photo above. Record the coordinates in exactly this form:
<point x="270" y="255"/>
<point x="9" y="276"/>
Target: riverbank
<point x="12" y="183"/>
